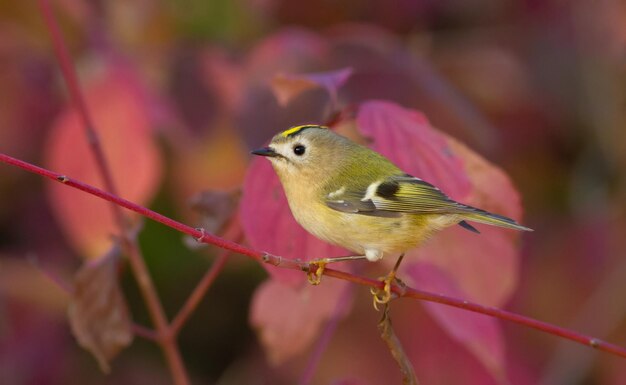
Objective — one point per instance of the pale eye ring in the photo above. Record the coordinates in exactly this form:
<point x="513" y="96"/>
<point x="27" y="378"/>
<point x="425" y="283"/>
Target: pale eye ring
<point x="299" y="149"/>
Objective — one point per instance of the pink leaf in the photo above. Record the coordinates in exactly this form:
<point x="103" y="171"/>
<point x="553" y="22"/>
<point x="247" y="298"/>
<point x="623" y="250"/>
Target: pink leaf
<point x="407" y="139"/>
<point x="122" y="121"/>
<point x="485" y="266"/>
<point x="479" y="333"/>
<point x="479" y="267"/>
<point x="289" y="319"/>
<point x="288" y="86"/>
<point x="270" y="226"/>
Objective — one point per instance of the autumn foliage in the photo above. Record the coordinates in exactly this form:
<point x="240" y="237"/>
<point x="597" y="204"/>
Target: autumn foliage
<point x="178" y="96"/>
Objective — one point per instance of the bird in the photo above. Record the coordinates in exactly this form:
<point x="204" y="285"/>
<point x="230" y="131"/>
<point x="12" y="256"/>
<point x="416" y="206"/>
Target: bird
<point x="349" y="195"/>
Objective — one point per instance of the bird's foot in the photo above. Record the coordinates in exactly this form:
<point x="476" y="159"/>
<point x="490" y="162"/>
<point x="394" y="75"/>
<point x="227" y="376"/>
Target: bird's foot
<point x="316" y="269"/>
<point x="384" y="295"/>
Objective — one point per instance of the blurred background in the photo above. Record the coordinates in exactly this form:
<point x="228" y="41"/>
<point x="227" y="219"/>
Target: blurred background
<point x="181" y="89"/>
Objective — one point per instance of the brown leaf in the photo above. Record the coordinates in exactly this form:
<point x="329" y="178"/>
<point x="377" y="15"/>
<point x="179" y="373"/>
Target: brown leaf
<point x="97" y="312"/>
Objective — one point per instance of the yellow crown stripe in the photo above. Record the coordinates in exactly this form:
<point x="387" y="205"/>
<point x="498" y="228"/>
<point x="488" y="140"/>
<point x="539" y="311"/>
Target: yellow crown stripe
<point x="297" y="129"/>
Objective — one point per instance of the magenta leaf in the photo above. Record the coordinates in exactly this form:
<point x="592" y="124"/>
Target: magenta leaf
<point x="484" y="266"/>
<point x="479" y="333"/>
<point x="289" y="319"/>
<point x="269" y="225"/>
<point x="481" y="267"/>
<point x="407" y="139"/>
<point x="455" y="262"/>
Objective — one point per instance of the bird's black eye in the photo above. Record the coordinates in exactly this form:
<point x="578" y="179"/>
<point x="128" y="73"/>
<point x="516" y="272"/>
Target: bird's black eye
<point x="299" y="149"/>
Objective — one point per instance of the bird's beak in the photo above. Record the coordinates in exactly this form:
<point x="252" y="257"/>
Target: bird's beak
<point x="265" y="151"/>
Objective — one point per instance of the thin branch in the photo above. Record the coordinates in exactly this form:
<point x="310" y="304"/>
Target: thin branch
<point x="167" y="340"/>
<point x="78" y="99"/>
<point x="138" y="265"/>
<point x="278" y="261"/>
<point x="567" y="365"/>
<point x="146" y="333"/>
<point x="233" y="231"/>
<point x="49" y="274"/>
<point x="199" y="291"/>
<point x="395" y="347"/>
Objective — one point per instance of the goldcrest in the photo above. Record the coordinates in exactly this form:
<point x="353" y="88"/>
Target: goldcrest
<point x="353" y="197"/>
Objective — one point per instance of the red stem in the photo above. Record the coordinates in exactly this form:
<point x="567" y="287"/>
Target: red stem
<point x="78" y="99"/>
<point x="233" y="231"/>
<point x="146" y="333"/>
<point x="199" y="291"/>
<point x="278" y="261"/>
<point x="138" y="265"/>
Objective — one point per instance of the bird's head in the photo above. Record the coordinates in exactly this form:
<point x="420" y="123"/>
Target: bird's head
<point x="305" y="151"/>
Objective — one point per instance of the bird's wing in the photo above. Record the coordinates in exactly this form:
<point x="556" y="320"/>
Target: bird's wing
<point x="406" y="194"/>
<point x="392" y="196"/>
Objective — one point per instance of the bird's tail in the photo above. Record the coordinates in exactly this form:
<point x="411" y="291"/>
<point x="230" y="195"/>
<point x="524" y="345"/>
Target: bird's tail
<point x="482" y="216"/>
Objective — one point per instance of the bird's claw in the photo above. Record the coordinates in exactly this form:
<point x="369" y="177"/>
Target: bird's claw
<point x="316" y="269"/>
<point x="384" y="295"/>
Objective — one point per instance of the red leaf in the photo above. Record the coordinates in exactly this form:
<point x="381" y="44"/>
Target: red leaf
<point x="288" y="319"/>
<point x="270" y="226"/>
<point x="288" y="86"/>
<point x="478" y="267"/>
<point x="481" y="334"/>
<point x="407" y="139"/>
<point x="98" y="313"/>
<point x="122" y="121"/>
<point x="484" y="266"/>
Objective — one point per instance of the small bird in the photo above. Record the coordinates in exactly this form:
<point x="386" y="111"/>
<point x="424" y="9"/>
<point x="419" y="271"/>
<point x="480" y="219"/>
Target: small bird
<point x="351" y="196"/>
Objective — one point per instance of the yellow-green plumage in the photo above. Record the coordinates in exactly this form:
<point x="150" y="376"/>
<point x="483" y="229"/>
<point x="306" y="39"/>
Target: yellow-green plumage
<point x="351" y="196"/>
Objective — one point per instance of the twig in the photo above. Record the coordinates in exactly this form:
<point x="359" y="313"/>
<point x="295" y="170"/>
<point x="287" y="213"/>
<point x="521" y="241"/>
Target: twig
<point x="49" y="274"/>
<point x="233" y="231"/>
<point x="567" y="365"/>
<point x="78" y="99"/>
<point x="199" y="291"/>
<point x="146" y="333"/>
<point x="395" y="347"/>
<point x="140" y="271"/>
<point x="304" y="266"/>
